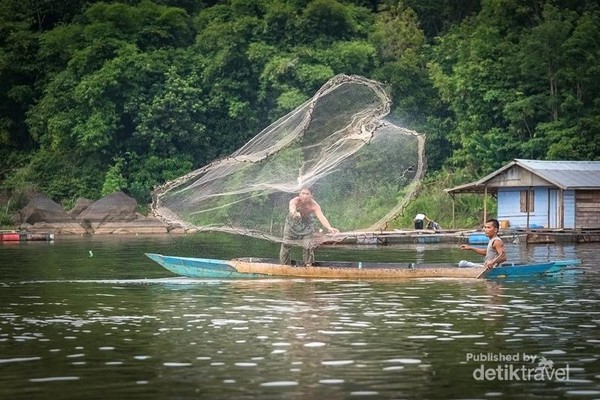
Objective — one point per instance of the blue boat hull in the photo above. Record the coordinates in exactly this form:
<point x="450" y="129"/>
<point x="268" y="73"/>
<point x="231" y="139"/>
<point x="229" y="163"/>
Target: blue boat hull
<point x="522" y="270"/>
<point x="200" y="267"/>
<point x="252" y="268"/>
<point x="532" y="269"/>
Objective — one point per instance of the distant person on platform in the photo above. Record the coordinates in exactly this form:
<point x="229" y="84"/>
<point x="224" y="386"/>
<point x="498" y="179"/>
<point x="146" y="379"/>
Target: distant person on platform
<point x="494" y="253"/>
<point x="434" y="225"/>
<point x="420" y="220"/>
<point x="299" y="225"/>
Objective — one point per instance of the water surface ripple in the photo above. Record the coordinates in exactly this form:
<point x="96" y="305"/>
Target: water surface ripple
<point x="116" y="326"/>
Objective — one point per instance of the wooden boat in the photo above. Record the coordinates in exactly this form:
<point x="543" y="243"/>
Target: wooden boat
<point x="252" y="268"/>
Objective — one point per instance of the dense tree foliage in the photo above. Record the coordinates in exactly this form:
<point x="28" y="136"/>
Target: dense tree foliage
<point x="98" y="96"/>
<point x="519" y="80"/>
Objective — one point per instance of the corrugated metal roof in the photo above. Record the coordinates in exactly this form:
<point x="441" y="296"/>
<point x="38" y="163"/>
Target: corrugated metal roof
<point x="566" y="174"/>
<point x="563" y="174"/>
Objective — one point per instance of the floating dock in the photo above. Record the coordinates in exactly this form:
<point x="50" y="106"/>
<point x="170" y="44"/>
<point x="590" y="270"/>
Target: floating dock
<point x="562" y="235"/>
<point x="420" y="236"/>
<point x="477" y="237"/>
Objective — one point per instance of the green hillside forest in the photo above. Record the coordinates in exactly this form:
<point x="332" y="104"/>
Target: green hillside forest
<point x="101" y="96"/>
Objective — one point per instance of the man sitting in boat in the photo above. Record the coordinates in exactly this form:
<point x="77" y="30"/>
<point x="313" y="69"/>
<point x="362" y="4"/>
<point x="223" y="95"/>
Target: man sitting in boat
<point x="299" y="225"/>
<point x="494" y="253"/>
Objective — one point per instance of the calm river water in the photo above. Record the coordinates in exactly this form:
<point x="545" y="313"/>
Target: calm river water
<point x="93" y="318"/>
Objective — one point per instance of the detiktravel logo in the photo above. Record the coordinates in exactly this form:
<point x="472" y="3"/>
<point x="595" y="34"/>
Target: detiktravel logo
<point x="516" y="367"/>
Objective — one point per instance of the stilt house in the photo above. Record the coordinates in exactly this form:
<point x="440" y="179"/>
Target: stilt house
<point x="543" y="194"/>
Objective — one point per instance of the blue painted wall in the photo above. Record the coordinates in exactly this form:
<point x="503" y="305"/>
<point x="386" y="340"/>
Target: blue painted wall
<point x="569" y="204"/>
<point x="509" y="208"/>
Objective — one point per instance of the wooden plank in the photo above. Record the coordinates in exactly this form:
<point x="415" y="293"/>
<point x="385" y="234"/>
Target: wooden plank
<point x="587" y="210"/>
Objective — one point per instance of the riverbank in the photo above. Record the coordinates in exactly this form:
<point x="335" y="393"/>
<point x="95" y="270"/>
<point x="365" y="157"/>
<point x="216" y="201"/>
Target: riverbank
<point x="116" y="213"/>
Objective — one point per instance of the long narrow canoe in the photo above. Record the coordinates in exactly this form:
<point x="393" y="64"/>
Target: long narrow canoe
<point x="252" y="268"/>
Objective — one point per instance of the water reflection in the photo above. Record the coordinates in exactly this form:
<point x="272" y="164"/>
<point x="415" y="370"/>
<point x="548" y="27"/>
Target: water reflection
<point x="547" y="252"/>
<point x="117" y="326"/>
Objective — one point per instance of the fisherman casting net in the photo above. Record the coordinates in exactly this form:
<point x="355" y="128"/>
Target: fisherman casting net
<point x="361" y="169"/>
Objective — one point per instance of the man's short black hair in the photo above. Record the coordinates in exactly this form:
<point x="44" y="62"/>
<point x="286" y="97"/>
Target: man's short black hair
<point x="494" y="222"/>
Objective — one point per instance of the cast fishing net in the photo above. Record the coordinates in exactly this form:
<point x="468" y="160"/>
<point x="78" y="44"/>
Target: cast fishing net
<point x="362" y="169"/>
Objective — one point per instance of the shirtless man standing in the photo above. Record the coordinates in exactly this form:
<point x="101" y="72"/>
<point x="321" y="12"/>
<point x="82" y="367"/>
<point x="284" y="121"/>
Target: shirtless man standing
<point x="299" y="225"/>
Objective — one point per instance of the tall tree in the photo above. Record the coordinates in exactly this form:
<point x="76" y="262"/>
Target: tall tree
<point x="400" y="44"/>
<point x="509" y="80"/>
<point x="100" y="71"/>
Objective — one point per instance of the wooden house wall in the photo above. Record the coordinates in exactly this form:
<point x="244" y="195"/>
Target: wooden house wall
<point x="517" y="177"/>
<point x="588" y="209"/>
<point x="509" y="207"/>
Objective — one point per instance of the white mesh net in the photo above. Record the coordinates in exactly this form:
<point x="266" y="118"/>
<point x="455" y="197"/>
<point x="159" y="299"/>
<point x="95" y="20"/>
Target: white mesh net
<point x="361" y="169"/>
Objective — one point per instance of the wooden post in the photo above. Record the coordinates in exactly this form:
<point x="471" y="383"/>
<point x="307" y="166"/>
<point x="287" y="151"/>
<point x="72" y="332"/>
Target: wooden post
<point x="561" y="208"/>
<point x="527" y="205"/>
<point x="485" y="205"/>
<point x="453" y="207"/>
<point x="548" y="214"/>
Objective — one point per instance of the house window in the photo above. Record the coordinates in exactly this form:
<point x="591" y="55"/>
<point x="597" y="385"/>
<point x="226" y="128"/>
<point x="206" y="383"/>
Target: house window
<point x="527" y="200"/>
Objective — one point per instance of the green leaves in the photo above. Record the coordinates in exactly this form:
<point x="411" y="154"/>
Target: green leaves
<point x="327" y="20"/>
<point x="114" y="180"/>
<point x="517" y="91"/>
<point x="148" y="25"/>
<point x="84" y="84"/>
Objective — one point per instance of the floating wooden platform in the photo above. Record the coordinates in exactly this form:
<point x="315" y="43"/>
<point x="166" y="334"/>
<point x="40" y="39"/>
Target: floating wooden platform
<point x="428" y="236"/>
<point x="562" y="235"/>
<point x="420" y="236"/>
